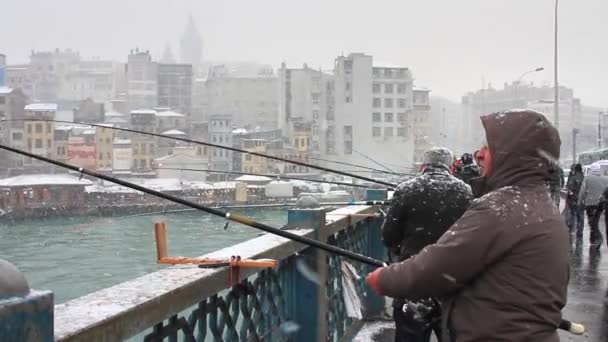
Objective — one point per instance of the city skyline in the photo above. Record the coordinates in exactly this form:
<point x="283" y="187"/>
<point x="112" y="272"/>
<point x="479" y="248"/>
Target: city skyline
<point x="452" y="46"/>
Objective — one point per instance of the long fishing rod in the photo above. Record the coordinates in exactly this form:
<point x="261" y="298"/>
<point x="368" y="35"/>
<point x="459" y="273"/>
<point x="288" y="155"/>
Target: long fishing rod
<point x="371" y="169"/>
<point x="263" y="175"/>
<point x="228" y="216"/>
<point x="254" y="206"/>
<point x="234" y="149"/>
<point x="374" y="161"/>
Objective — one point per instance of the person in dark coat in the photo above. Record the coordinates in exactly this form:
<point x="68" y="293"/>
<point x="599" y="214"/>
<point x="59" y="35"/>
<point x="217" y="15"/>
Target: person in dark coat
<point x="576" y="213"/>
<point x="422" y="209"/>
<point x="556" y="183"/>
<point x="589" y="197"/>
<point x="467" y="169"/>
<point x="501" y="271"/>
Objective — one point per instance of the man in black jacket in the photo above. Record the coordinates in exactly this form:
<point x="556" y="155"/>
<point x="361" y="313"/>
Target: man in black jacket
<point x="576" y="217"/>
<point x="422" y="209"/>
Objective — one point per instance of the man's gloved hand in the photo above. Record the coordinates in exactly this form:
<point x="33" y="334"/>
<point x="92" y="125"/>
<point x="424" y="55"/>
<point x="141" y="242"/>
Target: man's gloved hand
<point x="372" y="281"/>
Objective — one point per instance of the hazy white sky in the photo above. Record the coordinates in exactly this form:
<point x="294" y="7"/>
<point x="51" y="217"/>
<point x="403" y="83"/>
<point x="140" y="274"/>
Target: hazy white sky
<point x="449" y="44"/>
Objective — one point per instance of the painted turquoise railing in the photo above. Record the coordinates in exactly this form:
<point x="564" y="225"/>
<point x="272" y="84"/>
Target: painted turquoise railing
<point x="283" y="304"/>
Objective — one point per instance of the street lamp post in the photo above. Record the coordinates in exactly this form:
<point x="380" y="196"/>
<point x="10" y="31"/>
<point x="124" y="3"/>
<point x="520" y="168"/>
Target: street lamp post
<point x="600" y="116"/>
<point x="574" y="133"/>
<point x="555" y="82"/>
<point x="521" y="77"/>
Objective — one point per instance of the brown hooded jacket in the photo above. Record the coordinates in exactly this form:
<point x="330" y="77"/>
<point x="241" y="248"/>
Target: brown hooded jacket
<point x="501" y="269"/>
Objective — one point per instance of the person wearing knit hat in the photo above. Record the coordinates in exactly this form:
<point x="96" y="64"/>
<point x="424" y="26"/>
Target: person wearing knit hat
<point x="421" y="210"/>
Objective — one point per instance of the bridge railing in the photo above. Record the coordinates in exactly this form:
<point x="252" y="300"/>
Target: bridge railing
<point x="301" y="300"/>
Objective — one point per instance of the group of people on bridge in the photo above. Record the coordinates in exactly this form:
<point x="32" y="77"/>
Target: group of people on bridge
<point x="478" y="249"/>
<point x="586" y="194"/>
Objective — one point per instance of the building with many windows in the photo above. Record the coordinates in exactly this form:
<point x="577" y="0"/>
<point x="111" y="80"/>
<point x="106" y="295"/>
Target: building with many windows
<point x="144" y="146"/>
<point x="104" y="138"/>
<point x="12" y="103"/>
<point x="306" y="95"/>
<point x="39" y="135"/>
<point x="142" y="80"/>
<point x="373" y="112"/>
<point x="250" y="101"/>
<point x="175" y="87"/>
<point x="220" y="133"/>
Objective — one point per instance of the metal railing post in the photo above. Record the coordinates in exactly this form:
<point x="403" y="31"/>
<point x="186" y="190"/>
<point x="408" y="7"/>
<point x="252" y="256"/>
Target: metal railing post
<point x="374" y="304"/>
<point x="307" y="300"/>
<point x="24" y="315"/>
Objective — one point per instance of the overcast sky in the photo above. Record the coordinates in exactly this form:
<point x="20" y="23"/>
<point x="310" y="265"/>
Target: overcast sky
<point x="449" y="45"/>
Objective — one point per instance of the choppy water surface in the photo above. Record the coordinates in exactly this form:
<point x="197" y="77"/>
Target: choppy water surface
<point x="76" y="256"/>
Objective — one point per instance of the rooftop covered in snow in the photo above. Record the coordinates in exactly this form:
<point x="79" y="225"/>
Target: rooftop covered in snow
<point x="144" y="111"/>
<point x="169" y="113"/>
<point x="158" y="184"/>
<point x="41" y="107"/>
<point x="174" y="132"/>
<point x="43" y="179"/>
<point x="113" y="114"/>
<point x="115" y="120"/>
<point x="253" y="178"/>
<point x="5" y="90"/>
<point x="118" y="141"/>
<point x="239" y="131"/>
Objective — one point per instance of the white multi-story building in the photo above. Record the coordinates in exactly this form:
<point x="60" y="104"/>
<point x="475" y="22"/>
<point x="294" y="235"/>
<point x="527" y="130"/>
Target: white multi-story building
<point x="306" y="95"/>
<point x="99" y="80"/>
<point x="48" y="73"/>
<point x="64" y="76"/>
<point x="251" y="102"/>
<point x="175" y="87"/>
<point x="220" y="133"/>
<point x="142" y="80"/>
<point x="373" y="107"/>
<point x="17" y="77"/>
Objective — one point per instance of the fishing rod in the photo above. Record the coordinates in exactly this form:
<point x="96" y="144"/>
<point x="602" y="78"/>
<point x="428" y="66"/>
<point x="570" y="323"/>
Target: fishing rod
<point x="234" y="149"/>
<point x="263" y="175"/>
<point x="269" y="205"/>
<point x="228" y="216"/>
<point x="355" y="165"/>
<point x="374" y="161"/>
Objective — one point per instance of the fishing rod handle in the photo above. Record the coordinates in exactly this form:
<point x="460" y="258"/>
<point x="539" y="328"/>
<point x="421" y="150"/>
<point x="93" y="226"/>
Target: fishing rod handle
<point x="572" y="327"/>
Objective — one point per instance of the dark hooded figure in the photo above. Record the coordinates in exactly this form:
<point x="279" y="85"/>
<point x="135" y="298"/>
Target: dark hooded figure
<point x="467" y="169"/>
<point x="576" y="217"/>
<point x="422" y="209"/>
<point x="501" y="271"/>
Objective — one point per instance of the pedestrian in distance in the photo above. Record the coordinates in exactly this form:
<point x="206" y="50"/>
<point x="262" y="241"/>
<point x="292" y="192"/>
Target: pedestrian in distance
<point x="576" y="212"/>
<point x="467" y="169"/>
<point x="589" y="198"/>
